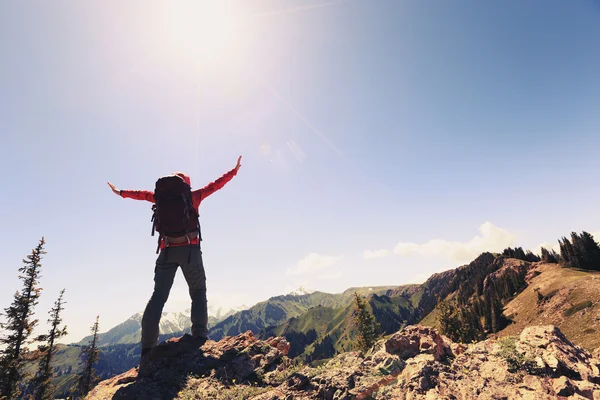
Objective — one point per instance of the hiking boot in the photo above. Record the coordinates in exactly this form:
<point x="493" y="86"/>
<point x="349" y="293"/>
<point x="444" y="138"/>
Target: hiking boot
<point x="193" y="341"/>
<point x="200" y="340"/>
<point x="144" y="362"/>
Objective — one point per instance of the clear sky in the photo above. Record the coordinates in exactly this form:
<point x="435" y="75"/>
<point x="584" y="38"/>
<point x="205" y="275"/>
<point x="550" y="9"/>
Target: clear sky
<point x="381" y="140"/>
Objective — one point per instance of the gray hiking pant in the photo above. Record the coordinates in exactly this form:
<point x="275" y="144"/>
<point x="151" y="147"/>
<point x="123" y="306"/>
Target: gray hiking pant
<point x="189" y="258"/>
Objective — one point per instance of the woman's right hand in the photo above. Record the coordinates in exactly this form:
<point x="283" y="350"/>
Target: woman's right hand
<point x="114" y="189"/>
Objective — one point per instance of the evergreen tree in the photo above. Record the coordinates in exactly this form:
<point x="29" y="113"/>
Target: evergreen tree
<point x="42" y="383"/>
<point x="487" y="316"/>
<point x="520" y="254"/>
<point x="368" y="327"/>
<point x="461" y="324"/>
<point x="591" y="251"/>
<point x="554" y="255"/>
<point x="581" y="252"/>
<point x="89" y="354"/>
<point x="549" y="257"/>
<point x="567" y="252"/>
<point x="470" y="329"/>
<point x="322" y="349"/>
<point x="498" y="319"/>
<point x="578" y="258"/>
<point x="529" y="256"/>
<point x="509" y="252"/>
<point x="20" y="324"/>
<point x="449" y="322"/>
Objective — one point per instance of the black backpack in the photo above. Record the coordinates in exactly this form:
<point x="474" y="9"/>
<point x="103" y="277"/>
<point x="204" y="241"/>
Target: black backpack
<point x="174" y="214"/>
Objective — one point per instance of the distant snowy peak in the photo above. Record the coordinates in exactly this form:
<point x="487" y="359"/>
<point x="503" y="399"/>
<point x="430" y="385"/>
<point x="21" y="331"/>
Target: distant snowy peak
<point x="170" y="322"/>
<point x="238" y="309"/>
<point x="136" y="317"/>
<point x="301" y="291"/>
<point x="220" y="313"/>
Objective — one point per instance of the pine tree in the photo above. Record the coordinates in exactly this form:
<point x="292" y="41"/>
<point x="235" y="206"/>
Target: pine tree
<point x="368" y="327"/>
<point x="554" y="255"/>
<point x="20" y="324"/>
<point x="470" y="325"/>
<point x="498" y="319"/>
<point x="578" y="250"/>
<point x="520" y="254"/>
<point x="89" y="354"/>
<point x="460" y="323"/>
<point x="43" y="386"/>
<point x="449" y="322"/>
<point x="487" y="316"/>
<point x="567" y="251"/>
<point x="531" y="257"/>
<point x="581" y="252"/>
<point x="549" y="257"/>
<point x="591" y="250"/>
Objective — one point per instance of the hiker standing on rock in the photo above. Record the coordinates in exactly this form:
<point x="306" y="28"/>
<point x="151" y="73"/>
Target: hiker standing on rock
<point x="175" y="218"/>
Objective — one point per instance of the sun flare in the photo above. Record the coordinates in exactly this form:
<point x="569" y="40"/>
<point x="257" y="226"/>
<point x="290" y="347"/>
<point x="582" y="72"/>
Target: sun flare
<point x="200" y="31"/>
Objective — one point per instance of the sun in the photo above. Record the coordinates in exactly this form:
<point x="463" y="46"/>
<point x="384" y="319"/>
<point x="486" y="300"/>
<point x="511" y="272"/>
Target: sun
<point x="199" y="31"/>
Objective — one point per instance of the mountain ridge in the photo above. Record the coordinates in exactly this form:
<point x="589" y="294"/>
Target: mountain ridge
<point x="318" y="326"/>
<point x="278" y="309"/>
<point x="414" y="363"/>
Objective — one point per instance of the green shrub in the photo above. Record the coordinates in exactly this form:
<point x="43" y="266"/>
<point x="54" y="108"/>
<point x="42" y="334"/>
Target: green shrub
<point x="542" y="298"/>
<point x="516" y="360"/>
<point x="577" y="307"/>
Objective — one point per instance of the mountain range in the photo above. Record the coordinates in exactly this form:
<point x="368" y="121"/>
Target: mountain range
<point x="130" y="330"/>
<point x="493" y="296"/>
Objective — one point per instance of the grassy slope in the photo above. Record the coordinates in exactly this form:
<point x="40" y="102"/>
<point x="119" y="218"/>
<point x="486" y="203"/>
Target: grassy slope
<point x="277" y="310"/>
<point x="431" y="319"/>
<point x="573" y="287"/>
<point x="67" y="363"/>
<point x="338" y="324"/>
<point x="65" y="357"/>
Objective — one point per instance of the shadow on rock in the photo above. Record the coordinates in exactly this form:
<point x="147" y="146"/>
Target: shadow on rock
<point x="173" y="363"/>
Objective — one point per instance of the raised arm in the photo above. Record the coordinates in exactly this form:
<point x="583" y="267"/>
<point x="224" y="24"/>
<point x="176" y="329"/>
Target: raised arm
<point x="133" y="194"/>
<point x="219" y="183"/>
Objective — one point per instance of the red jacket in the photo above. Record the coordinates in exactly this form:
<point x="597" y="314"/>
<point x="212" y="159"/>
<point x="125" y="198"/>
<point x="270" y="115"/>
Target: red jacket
<point x="197" y="195"/>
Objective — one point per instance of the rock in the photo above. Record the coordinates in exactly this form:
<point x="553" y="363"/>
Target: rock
<point x="559" y="356"/>
<point x="517" y="269"/>
<point x="418" y="339"/>
<point x="563" y="387"/>
<point x="233" y="359"/>
<point x="457" y="348"/>
<point x="280" y="344"/>
<point x="585" y="389"/>
<point x="416" y="363"/>
<point x="420" y="373"/>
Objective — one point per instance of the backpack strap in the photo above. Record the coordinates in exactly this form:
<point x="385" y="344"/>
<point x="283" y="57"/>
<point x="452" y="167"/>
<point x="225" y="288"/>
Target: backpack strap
<point x="153" y="219"/>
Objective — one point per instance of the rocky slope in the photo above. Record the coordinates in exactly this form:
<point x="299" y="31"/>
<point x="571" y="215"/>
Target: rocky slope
<point x="414" y="363"/>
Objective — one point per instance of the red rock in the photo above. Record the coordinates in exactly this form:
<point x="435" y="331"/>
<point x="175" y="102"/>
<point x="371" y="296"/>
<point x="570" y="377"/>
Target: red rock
<point x="417" y="339"/>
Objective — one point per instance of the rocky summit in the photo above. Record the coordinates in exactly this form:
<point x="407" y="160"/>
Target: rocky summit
<point x="414" y="363"/>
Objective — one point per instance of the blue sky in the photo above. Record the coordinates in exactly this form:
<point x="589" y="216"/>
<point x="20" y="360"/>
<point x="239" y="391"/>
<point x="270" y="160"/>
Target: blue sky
<point x="382" y="140"/>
